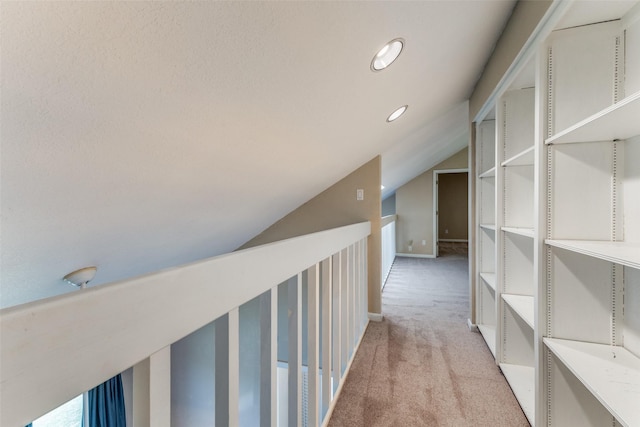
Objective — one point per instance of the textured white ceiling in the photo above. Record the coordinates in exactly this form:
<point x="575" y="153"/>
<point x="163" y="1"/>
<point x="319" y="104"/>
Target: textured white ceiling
<point x="142" y="135"/>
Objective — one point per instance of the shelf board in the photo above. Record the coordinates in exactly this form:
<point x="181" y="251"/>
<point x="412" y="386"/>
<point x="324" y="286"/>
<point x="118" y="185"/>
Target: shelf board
<point x="611" y="374"/>
<point x="624" y="253"/>
<point x="521" y="379"/>
<point x="488" y="226"/>
<point x="522" y="305"/>
<point x="524" y="158"/>
<point x="491" y="172"/>
<point x="619" y="121"/>
<point x="489" y="279"/>
<point x="488" y="332"/>
<point x="527" y="232"/>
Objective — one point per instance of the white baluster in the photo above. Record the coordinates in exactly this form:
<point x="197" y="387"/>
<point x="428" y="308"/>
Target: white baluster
<point x="344" y="306"/>
<point x="152" y="390"/>
<point x="327" y="311"/>
<point x="313" y="327"/>
<point x="295" y="351"/>
<point x="336" y="355"/>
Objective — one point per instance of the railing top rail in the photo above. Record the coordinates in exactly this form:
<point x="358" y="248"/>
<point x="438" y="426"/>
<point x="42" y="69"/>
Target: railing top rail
<point x="386" y="220"/>
<point x="53" y="349"/>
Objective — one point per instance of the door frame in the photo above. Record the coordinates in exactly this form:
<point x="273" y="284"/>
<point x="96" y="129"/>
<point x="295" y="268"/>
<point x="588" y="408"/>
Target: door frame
<point x="435" y="202"/>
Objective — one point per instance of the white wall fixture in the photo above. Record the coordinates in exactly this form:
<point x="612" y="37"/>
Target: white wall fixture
<point x="81" y="277"/>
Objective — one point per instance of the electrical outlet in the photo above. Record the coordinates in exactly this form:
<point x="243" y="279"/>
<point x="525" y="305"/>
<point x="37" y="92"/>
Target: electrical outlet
<point x="446" y="231"/>
<point x="360" y="194"/>
<point x="424" y="243"/>
<point x="410" y="248"/>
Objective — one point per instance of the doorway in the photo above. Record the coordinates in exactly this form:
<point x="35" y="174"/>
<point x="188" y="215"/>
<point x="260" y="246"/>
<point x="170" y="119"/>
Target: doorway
<point x="451" y="211"/>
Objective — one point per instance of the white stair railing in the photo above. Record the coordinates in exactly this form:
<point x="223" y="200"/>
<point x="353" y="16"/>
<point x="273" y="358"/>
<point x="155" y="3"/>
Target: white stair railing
<point x="388" y="245"/>
<point x="54" y="349"/>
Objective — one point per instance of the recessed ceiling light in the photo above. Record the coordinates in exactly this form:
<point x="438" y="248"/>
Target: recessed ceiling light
<point x="387" y="55"/>
<point x="400" y="111"/>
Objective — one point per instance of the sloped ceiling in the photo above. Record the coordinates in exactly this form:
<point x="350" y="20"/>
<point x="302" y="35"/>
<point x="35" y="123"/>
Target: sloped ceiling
<point x="138" y="136"/>
<point x="437" y="140"/>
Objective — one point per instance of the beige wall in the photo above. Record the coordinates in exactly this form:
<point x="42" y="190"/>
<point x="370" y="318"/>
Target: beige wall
<point x="453" y="206"/>
<point x="414" y="207"/>
<point x="335" y="207"/>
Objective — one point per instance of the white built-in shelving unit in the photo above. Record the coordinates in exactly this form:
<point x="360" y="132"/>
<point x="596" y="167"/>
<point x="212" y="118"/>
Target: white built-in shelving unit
<point x="558" y="256"/>
<point x="486" y="255"/>
<point x="516" y="154"/>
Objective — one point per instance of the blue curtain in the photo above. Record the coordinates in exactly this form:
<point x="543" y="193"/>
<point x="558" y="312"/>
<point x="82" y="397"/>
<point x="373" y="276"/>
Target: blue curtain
<point x="106" y="404"/>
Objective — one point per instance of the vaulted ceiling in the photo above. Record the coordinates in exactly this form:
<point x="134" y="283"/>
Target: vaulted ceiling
<point x="142" y="135"/>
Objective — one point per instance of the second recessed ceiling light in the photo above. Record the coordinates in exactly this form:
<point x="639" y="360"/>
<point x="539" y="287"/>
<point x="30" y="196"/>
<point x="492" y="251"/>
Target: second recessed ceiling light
<point x="400" y="111"/>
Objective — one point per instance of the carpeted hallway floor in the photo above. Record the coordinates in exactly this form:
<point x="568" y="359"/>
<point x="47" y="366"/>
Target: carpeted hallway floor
<point x="422" y="366"/>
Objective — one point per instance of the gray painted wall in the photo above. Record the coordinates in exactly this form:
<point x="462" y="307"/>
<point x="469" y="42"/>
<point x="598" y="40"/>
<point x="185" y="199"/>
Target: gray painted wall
<point x="389" y="205"/>
<point x="193" y="379"/>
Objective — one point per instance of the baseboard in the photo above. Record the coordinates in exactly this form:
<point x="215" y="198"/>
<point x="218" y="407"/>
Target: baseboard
<point x="375" y="317"/>
<point x="416" y="255"/>
<point x="454" y="240"/>
<point x="332" y="405"/>
<point x="472" y="327"/>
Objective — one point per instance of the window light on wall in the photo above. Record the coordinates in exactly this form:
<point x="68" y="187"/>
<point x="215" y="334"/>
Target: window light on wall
<point x="69" y="414"/>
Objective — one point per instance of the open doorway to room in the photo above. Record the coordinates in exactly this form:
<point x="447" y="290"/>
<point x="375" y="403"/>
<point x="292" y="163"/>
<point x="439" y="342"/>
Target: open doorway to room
<point x="451" y="211"/>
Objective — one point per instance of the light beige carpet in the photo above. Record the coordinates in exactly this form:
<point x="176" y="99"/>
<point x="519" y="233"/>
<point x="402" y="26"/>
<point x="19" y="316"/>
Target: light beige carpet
<point x="422" y="366"/>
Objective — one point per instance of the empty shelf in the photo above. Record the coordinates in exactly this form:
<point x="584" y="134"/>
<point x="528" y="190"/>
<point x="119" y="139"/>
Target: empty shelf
<point x="611" y="374"/>
<point x="522" y="305"/>
<point x="523" y="158"/>
<point x="521" y="379"/>
<point x="489" y="173"/>
<point x="488" y="226"/>
<point x="489" y="334"/>
<point x="527" y="232"/>
<point x="489" y="279"/>
<point x="619" y="121"/>
<point x="619" y="252"/>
